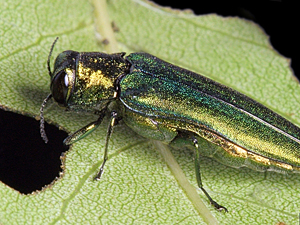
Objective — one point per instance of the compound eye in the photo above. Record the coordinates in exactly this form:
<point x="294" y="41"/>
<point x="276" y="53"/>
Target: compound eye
<point x="60" y="87"/>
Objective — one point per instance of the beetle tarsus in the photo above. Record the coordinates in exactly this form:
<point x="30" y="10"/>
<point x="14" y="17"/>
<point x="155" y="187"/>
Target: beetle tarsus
<point x="214" y="203"/>
<point x="99" y="174"/>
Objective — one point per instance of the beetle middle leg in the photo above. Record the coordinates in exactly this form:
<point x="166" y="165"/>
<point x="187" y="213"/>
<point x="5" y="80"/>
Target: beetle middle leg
<point x="84" y="131"/>
<point x="112" y="123"/>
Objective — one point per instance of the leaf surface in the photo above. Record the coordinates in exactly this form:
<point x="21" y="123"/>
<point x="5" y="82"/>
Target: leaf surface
<point x="137" y="186"/>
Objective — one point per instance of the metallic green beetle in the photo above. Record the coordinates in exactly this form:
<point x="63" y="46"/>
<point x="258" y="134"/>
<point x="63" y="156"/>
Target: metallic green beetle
<point x="164" y="102"/>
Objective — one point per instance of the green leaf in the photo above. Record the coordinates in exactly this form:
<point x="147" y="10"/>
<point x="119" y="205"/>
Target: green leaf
<point x="137" y="186"/>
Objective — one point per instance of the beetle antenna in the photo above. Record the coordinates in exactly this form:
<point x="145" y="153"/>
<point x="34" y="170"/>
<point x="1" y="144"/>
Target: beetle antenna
<point x="49" y="56"/>
<point x="42" y="120"/>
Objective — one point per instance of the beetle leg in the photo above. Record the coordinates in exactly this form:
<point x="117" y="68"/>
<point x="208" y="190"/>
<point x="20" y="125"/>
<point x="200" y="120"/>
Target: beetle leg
<point x="84" y="131"/>
<point x="113" y="121"/>
<point x="198" y="177"/>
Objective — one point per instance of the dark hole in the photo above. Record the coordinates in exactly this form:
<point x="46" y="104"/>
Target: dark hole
<point x="28" y="164"/>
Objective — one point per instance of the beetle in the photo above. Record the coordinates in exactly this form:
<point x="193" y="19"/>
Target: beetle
<point x="164" y="102"/>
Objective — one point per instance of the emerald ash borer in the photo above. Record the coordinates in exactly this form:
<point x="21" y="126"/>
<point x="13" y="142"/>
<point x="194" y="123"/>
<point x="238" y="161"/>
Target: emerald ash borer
<point x="164" y="102"/>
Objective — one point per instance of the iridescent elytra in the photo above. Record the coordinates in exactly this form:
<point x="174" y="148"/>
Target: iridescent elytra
<point x="164" y="102"/>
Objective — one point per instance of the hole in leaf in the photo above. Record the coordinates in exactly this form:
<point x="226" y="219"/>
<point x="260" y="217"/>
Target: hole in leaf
<point x="27" y="164"/>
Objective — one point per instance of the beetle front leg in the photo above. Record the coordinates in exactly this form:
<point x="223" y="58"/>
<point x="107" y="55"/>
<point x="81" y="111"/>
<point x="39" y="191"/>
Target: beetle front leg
<point x="84" y="131"/>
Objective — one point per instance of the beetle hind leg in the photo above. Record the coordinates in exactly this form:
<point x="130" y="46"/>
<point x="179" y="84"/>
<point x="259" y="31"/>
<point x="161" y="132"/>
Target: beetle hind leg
<point x="199" y="181"/>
